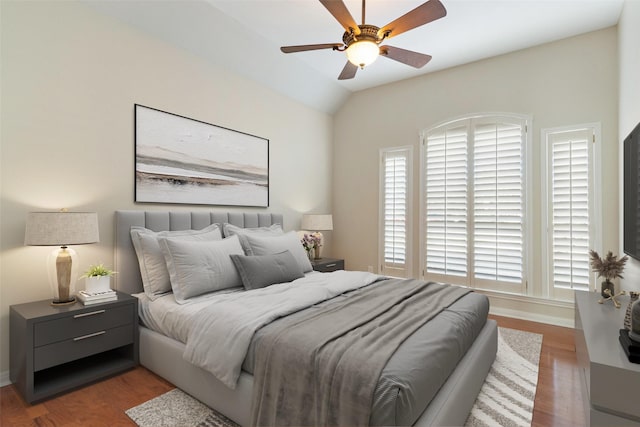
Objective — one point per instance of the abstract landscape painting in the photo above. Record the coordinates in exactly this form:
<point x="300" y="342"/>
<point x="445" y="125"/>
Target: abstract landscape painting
<point x="181" y="160"/>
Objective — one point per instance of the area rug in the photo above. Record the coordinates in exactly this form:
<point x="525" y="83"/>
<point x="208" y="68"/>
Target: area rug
<point x="506" y="398"/>
<point x="507" y="395"/>
<point x="175" y="408"/>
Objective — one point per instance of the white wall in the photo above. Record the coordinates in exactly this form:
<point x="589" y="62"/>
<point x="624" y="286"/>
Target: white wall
<point x="629" y="106"/>
<point x="572" y="81"/>
<point x="70" y="78"/>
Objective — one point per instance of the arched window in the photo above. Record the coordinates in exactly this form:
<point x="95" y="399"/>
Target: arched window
<point x="474" y="202"/>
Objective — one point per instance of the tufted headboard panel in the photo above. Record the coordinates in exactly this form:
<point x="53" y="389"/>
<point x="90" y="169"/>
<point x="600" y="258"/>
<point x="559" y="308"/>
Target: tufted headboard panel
<point x="128" y="278"/>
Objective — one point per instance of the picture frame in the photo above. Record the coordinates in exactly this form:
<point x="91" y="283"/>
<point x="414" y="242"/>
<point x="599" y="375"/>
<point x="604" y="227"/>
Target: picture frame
<point x="188" y="161"/>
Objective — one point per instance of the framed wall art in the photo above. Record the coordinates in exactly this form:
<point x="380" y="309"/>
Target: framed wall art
<point x="182" y="160"/>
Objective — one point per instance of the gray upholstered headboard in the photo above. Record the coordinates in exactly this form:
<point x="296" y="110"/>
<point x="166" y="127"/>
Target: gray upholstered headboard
<point x="128" y="278"/>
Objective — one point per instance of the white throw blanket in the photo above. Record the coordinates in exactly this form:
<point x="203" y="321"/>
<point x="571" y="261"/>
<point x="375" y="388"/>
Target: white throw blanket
<point x="220" y="337"/>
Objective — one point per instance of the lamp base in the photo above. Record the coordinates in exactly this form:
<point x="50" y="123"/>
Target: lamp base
<point x="58" y="303"/>
<point x="63" y="271"/>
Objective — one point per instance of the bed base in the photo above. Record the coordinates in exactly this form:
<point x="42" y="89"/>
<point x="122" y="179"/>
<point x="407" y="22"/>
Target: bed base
<point x="451" y="406"/>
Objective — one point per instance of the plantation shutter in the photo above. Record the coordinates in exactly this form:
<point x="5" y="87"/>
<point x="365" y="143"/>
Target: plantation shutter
<point x="445" y="160"/>
<point x="569" y="197"/>
<point x="498" y="201"/>
<point x="396" y="176"/>
<point x="474" y="203"/>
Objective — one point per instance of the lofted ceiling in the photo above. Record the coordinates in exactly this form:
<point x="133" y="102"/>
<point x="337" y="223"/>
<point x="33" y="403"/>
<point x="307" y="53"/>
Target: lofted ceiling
<point x="244" y="36"/>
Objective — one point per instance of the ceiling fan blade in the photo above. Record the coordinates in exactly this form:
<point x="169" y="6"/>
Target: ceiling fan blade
<point x="305" y="47"/>
<point x="339" y="11"/>
<point x="348" y="72"/>
<point x="409" y="57"/>
<point x="423" y="14"/>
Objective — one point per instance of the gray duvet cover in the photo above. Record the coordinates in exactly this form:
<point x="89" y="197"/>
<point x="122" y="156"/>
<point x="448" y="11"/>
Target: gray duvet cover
<point x="421" y="364"/>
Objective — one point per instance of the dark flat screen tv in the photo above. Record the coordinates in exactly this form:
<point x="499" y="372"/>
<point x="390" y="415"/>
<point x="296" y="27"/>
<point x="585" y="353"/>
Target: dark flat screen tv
<point x="631" y="204"/>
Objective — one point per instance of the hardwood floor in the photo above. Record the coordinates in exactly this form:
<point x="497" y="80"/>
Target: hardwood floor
<point x="558" y="398"/>
<point x="97" y="405"/>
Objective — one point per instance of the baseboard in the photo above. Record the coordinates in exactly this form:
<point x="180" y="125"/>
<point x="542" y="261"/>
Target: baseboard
<point x="4" y="378"/>
<point x="558" y="313"/>
<point x="533" y="317"/>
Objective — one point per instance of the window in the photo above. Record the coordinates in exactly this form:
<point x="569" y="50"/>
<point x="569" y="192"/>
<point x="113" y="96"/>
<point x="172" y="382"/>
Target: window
<point x="474" y="198"/>
<point x="395" y="211"/>
<point x="569" y="208"/>
<point x="445" y="157"/>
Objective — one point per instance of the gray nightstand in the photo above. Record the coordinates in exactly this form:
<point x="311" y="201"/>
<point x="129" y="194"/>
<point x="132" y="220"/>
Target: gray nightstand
<point x="57" y="349"/>
<point x="327" y="265"/>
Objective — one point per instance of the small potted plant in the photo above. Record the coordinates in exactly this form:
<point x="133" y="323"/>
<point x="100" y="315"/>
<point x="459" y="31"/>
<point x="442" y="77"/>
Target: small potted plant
<point x="97" y="278"/>
<point x="608" y="267"/>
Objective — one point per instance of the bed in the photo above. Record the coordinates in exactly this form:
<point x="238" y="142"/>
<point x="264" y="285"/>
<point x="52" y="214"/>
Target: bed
<point x="163" y="354"/>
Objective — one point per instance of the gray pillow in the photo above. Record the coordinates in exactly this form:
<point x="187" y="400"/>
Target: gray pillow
<point x="231" y="230"/>
<point x="198" y="268"/>
<point x="264" y="270"/>
<point x="259" y="244"/>
<point x="153" y="267"/>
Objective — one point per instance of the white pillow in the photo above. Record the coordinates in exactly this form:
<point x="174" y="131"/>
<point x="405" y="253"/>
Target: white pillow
<point x="198" y="268"/>
<point x="259" y="244"/>
<point x="231" y="230"/>
<point x="153" y="267"/>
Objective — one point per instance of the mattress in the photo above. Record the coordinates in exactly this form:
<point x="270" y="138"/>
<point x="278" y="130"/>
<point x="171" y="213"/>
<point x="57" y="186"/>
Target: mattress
<point x="411" y="378"/>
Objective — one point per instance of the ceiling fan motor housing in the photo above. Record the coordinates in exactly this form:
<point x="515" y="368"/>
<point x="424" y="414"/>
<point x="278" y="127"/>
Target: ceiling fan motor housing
<point x="367" y="32"/>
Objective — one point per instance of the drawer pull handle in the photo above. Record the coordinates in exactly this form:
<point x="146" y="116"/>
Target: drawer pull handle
<point x="330" y="265"/>
<point x="84" y="337"/>
<point x="89" y="314"/>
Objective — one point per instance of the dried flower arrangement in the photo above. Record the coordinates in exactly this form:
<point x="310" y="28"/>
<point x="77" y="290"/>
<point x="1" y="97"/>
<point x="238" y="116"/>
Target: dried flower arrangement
<point x="608" y="267"/>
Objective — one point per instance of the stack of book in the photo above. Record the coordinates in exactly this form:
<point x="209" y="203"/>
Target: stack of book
<point x="88" y="298"/>
<point x="630" y="347"/>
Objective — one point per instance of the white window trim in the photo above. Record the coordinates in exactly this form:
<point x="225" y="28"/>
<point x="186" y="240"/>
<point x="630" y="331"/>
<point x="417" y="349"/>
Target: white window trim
<point x="409" y="212"/>
<point x="527" y="255"/>
<point x="595" y="203"/>
<point x="528" y="200"/>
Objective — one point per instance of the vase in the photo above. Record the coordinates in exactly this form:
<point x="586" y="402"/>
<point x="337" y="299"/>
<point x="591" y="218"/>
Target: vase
<point x="607" y="285"/>
<point x="310" y="254"/>
<point x="97" y="284"/>
<point x="627" y="316"/>
<point x="634" y="333"/>
<point x="316" y="252"/>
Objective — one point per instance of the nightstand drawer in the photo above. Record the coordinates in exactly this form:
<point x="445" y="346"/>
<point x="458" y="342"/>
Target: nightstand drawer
<point x="329" y="266"/>
<point x="81" y="346"/>
<point x="78" y="324"/>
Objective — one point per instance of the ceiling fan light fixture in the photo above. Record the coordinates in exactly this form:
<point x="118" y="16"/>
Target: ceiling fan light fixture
<point x="361" y="41"/>
<point x="363" y="53"/>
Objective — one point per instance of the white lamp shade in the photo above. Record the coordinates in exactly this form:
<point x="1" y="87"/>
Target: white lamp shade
<point x="363" y="53"/>
<point x="61" y="228"/>
<point x="317" y="222"/>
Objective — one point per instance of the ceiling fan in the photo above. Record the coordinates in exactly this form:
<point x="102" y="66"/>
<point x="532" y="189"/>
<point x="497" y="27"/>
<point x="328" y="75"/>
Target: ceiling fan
<point x="362" y="42"/>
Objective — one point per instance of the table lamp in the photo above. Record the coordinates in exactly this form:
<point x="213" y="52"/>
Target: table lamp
<point x="61" y="229"/>
<point x="317" y="223"/>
